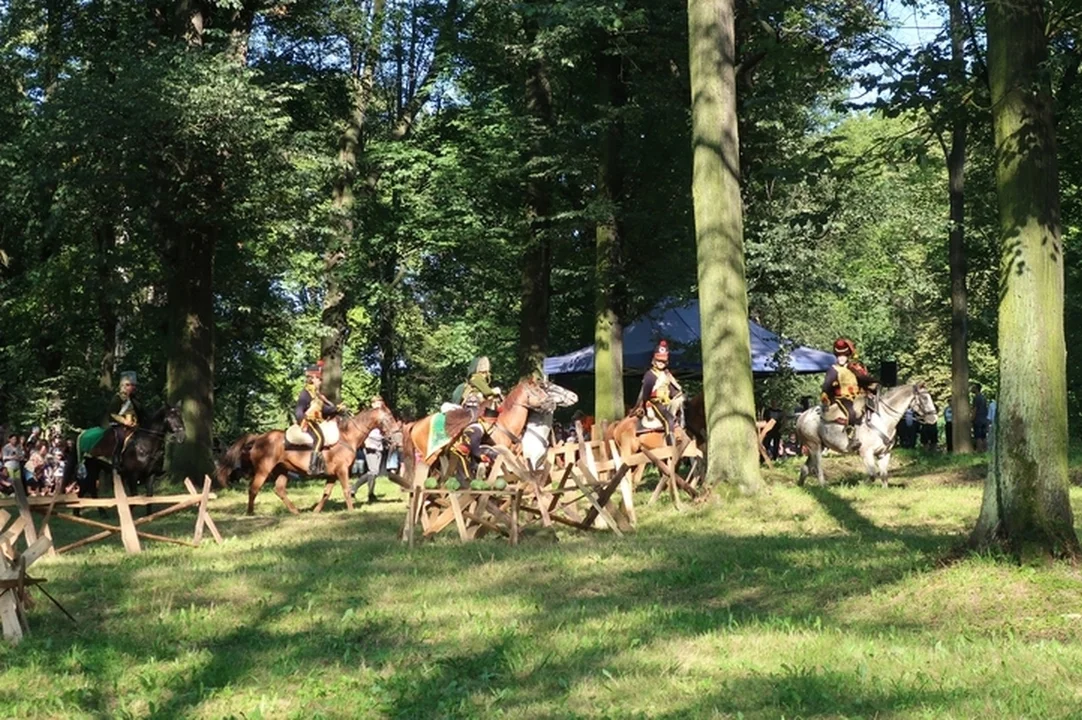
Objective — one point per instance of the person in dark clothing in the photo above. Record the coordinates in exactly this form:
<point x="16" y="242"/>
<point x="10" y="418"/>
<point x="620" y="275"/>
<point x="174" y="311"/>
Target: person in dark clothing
<point x="980" y="419"/>
<point x="845" y="381"/>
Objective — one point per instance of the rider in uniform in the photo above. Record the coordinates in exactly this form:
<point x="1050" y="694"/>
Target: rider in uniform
<point x="660" y="388"/>
<point x="312" y="409"/>
<point x="478" y="386"/>
<point x="125" y="414"/>
<point x="845" y="381"/>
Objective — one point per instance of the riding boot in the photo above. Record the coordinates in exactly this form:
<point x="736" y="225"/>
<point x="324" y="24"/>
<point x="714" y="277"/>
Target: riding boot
<point x="854" y="443"/>
<point x="317" y="466"/>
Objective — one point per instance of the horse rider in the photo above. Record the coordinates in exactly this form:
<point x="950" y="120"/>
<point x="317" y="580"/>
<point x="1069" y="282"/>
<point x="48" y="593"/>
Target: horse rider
<point x="312" y="409"/>
<point x="125" y="414"/>
<point x="845" y="382"/>
<point x="660" y="389"/>
<point x="478" y="385"/>
<point x="468" y="447"/>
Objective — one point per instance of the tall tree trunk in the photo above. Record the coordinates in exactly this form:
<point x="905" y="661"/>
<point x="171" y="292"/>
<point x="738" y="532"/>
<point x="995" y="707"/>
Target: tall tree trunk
<point x="962" y="440"/>
<point x="611" y="290"/>
<point x="337" y="301"/>
<point x="1026" y="505"/>
<point x="190" y="368"/>
<point x="719" y="234"/>
<point x="190" y="251"/>
<point x="105" y="235"/>
<point x="537" y="263"/>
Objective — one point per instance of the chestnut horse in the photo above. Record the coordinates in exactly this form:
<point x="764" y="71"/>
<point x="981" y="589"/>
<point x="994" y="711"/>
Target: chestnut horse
<point x="628" y="440"/>
<point x="268" y="455"/>
<point x="529" y="394"/>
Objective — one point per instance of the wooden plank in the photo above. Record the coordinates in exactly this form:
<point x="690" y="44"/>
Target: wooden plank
<point x="127" y="526"/>
<point x="459" y="520"/>
<point x="4" y="517"/>
<point x="72" y="501"/>
<point x="515" y="502"/>
<point x="11" y="535"/>
<point x="24" y="508"/>
<point x="589" y="495"/>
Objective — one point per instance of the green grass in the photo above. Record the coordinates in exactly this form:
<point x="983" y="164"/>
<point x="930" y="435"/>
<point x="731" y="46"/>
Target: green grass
<point x="799" y="603"/>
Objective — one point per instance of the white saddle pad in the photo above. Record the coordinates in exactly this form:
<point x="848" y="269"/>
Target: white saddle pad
<point x="296" y="436"/>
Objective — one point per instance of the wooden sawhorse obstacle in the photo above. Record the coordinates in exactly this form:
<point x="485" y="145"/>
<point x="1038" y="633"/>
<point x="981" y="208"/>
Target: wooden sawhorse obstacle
<point x="474" y="512"/>
<point x="128" y="527"/>
<point x="14" y="581"/>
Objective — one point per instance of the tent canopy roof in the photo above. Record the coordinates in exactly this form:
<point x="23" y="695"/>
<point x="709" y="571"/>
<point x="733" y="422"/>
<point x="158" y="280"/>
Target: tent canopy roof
<point x="680" y="326"/>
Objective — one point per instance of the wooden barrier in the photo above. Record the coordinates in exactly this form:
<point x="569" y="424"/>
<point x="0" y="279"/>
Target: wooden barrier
<point x="128" y="527"/>
<point x="13" y="578"/>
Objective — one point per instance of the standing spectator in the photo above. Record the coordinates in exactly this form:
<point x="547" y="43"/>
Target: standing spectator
<point x="374" y="458"/>
<point x="772" y="441"/>
<point x="35" y="467"/>
<point x="10" y="456"/>
<point x="980" y="419"/>
<point x="929" y="436"/>
<point x="948" y="424"/>
<point x="907" y="430"/>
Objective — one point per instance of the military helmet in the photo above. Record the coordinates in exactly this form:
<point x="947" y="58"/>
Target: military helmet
<point x="482" y="365"/>
<point x="128" y="376"/>
<point x="845" y="346"/>
<point x="314" y="370"/>
<point x="662" y="352"/>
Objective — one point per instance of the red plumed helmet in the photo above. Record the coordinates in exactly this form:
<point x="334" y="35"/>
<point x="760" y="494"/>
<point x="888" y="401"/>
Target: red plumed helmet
<point x="845" y="346"/>
<point x="662" y="352"/>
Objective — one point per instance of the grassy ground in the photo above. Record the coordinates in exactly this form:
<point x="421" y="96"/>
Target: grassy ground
<point x="799" y="603"/>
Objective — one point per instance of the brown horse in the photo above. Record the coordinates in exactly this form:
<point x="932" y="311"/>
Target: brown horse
<point x="629" y="441"/>
<point x="268" y="455"/>
<point x="529" y="394"/>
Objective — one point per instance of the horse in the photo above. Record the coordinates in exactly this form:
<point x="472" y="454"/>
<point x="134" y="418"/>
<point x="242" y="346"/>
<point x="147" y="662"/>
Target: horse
<point x="537" y="436"/>
<point x="140" y="459"/>
<point x="629" y="440"/>
<point x="267" y="455"/>
<point x="529" y="394"/>
<point x="876" y="432"/>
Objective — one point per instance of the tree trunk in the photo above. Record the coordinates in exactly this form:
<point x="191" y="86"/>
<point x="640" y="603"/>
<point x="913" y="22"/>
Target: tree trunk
<point x="608" y="327"/>
<point x="336" y="304"/>
<point x="537" y="263"/>
<point x="1026" y="505"/>
<point x="956" y="162"/>
<point x="107" y="319"/>
<point x="190" y="368"/>
<point x="719" y="234"/>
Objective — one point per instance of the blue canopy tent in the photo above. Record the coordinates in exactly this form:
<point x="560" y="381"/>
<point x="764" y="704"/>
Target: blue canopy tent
<point x="680" y="327"/>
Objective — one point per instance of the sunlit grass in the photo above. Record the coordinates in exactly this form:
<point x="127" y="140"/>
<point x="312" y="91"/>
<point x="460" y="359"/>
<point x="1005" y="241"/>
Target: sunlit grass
<point x="799" y="603"/>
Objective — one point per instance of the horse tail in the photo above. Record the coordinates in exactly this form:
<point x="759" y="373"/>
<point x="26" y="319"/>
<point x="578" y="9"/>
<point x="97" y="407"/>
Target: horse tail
<point x="235" y="457"/>
<point x="409" y="455"/>
<point x="72" y="461"/>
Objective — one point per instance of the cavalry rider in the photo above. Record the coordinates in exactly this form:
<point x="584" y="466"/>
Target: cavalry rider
<point x="846" y="381"/>
<point x="660" y="389"/>
<point x="312" y="408"/>
<point x="469" y="444"/>
<point x="125" y="414"/>
<point x="478" y="385"/>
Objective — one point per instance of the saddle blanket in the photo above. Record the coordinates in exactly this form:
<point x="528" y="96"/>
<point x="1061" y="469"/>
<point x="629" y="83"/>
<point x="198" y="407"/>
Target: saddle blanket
<point x="296" y="436"/>
<point x="437" y="434"/>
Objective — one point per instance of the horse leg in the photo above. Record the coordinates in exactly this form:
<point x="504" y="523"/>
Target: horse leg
<point x="150" y="493"/>
<point x="343" y="480"/>
<point x="258" y="478"/>
<point x="819" y="465"/>
<point x="280" y="491"/>
<point x="884" y="463"/>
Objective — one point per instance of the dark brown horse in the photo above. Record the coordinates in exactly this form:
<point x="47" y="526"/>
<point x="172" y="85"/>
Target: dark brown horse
<point x="269" y="456"/>
<point x="529" y="394"/>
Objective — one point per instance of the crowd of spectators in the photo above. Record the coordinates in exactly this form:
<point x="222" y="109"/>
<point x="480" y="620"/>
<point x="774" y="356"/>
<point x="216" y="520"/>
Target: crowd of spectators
<point x="38" y="458"/>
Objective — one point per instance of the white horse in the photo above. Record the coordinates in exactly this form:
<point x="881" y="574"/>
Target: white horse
<point x="537" y="436"/>
<point x="876" y="433"/>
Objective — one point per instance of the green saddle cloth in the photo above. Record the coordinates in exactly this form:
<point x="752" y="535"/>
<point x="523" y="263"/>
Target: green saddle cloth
<point x="437" y="434"/>
<point x="88" y="439"/>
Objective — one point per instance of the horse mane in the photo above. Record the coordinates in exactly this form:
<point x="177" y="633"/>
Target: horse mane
<point x="516" y="392"/>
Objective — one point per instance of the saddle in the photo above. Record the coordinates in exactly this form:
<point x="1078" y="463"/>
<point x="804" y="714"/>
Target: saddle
<point x="834" y="413"/>
<point x="296" y="436"/>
